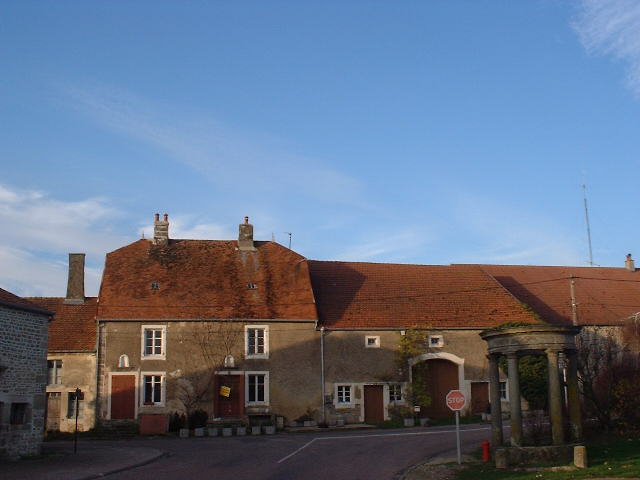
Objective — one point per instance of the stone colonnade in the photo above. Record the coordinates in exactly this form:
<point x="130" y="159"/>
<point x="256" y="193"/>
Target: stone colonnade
<point x="536" y="339"/>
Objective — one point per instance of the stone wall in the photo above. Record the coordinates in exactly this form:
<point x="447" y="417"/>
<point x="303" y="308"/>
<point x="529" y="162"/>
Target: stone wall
<point x="23" y="376"/>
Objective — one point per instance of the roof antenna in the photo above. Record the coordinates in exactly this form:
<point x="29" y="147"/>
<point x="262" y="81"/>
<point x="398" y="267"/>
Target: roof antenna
<point x="586" y="216"/>
<point x="289" y="233"/>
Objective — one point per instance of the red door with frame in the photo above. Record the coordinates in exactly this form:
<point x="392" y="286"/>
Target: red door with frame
<point x="123" y="397"/>
<point x="233" y="404"/>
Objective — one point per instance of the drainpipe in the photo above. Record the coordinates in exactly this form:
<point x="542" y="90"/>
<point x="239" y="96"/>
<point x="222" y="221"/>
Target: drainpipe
<point x="324" y="413"/>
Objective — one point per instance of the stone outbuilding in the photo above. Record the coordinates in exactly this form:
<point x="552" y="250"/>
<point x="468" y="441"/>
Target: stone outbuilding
<point x="23" y="374"/>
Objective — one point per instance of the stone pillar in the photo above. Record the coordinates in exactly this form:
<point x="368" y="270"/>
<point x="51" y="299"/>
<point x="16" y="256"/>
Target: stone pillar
<point x="573" y="397"/>
<point x="496" y="409"/>
<point x="555" y="398"/>
<point x="515" y="408"/>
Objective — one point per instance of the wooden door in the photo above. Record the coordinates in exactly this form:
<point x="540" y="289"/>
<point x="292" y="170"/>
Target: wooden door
<point x="233" y="404"/>
<point x="373" y="404"/>
<point x="123" y="397"/>
<point x="479" y="397"/>
<point x="53" y="411"/>
<point x="441" y="376"/>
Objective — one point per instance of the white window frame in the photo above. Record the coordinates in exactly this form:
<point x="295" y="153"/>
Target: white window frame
<point x="57" y="372"/>
<point x="439" y="338"/>
<point x="348" y="404"/>
<point x="163" y="389"/>
<point x="401" y="399"/>
<point x="153" y="356"/>
<point x="376" y="341"/>
<point x="248" y="354"/>
<point x="246" y="388"/>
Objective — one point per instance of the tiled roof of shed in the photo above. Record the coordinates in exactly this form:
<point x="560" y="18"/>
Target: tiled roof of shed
<point x="604" y="295"/>
<point x="10" y="300"/>
<point x="73" y="327"/>
<point x="379" y="295"/>
<point x="205" y="279"/>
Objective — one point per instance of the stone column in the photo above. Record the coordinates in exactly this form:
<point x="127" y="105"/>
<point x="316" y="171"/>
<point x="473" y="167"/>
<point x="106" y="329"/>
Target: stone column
<point x="515" y="408"/>
<point x="555" y="398"/>
<point x="496" y="409"/>
<point x="573" y="397"/>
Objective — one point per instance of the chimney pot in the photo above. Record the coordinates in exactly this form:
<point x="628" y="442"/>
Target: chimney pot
<point x="75" y="283"/>
<point x="161" y="230"/>
<point x="629" y="264"/>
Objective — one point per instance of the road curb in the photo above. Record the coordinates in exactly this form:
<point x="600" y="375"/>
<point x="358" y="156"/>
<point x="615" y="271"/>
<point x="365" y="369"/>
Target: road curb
<point x="126" y="467"/>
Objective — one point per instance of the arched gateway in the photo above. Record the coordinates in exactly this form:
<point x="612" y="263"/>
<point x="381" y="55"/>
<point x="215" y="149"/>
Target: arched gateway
<point x="444" y="372"/>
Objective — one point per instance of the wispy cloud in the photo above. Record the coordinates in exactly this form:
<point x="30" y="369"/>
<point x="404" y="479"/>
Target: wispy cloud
<point x="190" y="226"/>
<point x="224" y="155"/>
<point x="612" y="27"/>
<point x="38" y="232"/>
<point x="386" y="247"/>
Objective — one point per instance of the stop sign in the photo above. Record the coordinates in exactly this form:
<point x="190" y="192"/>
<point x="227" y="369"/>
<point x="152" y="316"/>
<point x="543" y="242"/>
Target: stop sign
<point x="455" y="400"/>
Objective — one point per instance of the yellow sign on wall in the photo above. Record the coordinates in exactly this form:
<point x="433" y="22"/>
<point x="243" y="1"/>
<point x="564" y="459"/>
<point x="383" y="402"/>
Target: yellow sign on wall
<point x="225" y="391"/>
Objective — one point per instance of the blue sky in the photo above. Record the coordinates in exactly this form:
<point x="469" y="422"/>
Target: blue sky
<point x="414" y="132"/>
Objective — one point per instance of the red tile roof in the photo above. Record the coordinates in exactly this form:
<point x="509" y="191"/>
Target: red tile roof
<point x="605" y="296"/>
<point x="379" y="295"/>
<point x="10" y="300"/>
<point x="205" y="279"/>
<point x="74" y="326"/>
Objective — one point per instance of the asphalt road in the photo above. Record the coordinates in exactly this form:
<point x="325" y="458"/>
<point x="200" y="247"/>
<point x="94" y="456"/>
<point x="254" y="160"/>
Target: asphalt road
<point x="379" y="454"/>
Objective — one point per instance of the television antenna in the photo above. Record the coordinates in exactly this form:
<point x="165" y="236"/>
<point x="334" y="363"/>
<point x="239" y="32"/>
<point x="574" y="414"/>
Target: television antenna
<point x="586" y="216"/>
<point x="289" y="233"/>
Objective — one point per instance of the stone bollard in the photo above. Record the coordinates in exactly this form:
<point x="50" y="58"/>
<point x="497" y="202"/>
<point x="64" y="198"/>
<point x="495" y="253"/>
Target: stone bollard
<point x="580" y="456"/>
<point x="501" y="456"/>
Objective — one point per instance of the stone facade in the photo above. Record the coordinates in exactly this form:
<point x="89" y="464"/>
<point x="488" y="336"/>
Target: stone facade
<point x="23" y="350"/>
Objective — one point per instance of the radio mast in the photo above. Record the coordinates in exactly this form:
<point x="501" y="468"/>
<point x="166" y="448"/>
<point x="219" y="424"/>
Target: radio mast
<point x="586" y="216"/>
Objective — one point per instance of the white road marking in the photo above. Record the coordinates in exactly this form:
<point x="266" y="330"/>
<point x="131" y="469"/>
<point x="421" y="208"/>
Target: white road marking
<point x="347" y="437"/>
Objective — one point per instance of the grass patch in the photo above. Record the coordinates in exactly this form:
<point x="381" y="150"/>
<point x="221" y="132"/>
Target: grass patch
<point x="612" y="457"/>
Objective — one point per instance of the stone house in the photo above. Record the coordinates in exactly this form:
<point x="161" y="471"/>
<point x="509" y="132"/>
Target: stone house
<point x="364" y="310"/>
<point x="228" y="326"/>
<point x="23" y="353"/>
<point x="71" y="355"/>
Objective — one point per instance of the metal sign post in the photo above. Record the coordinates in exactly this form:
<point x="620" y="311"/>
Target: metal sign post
<point x="75" y="434"/>
<point x="456" y="401"/>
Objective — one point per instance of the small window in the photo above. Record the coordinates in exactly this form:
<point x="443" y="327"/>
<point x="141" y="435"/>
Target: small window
<point x="123" y="361"/>
<point x="71" y="405"/>
<point x="18" y="413"/>
<point x="252" y="286"/>
<point x="436" y="341"/>
<point x="395" y="392"/>
<point x="153" y="342"/>
<point x="54" y="376"/>
<point x="503" y="390"/>
<point x="155" y="285"/>
<point x="344" y="394"/>
<point x="372" y="341"/>
<point x="257" y="341"/>
<point x="153" y="389"/>
<point x="257" y="388"/>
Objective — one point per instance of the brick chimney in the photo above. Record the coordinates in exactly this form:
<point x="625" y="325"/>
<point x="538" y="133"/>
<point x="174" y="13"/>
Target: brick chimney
<point x="161" y="230"/>
<point x="628" y="263"/>
<point x="75" y="284"/>
<point x="245" y="236"/>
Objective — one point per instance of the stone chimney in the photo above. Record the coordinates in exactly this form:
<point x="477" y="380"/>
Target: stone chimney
<point x="628" y="263"/>
<point x="245" y="236"/>
<point x="75" y="284"/>
<point x="161" y="230"/>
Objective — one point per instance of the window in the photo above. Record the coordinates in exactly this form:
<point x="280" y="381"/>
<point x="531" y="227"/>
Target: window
<point x="155" y="285"/>
<point x="54" y="372"/>
<point x="436" y="341"/>
<point x="252" y="286"/>
<point x="153" y="388"/>
<point x="372" y="341"/>
<point x="344" y="394"/>
<point x="18" y="413"/>
<point x="123" y="361"/>
<point x="257" y="387"/>
<point x="503" y="390"/>
<point x="257" y="341"/>
<point x="395" y="392"/>
<point x="71" y="405"/>
<point x="154" y="342"/>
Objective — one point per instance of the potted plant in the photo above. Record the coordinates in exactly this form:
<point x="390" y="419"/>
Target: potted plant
<point x="269" y="429"/>
<point x="212" y="431"/>
<point x="241" y="430"/>
<point x="256" y="429"/>
<point x="227" y="431"/>
<point x="184" y="433"/>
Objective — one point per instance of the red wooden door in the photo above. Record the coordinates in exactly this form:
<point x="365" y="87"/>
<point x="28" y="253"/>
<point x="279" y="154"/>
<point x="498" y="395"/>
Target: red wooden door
<point x="441" y="376"/>
<point x="123" y="396"/>
<point x="232" y="405"/>
<point x="373" y="404"/>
